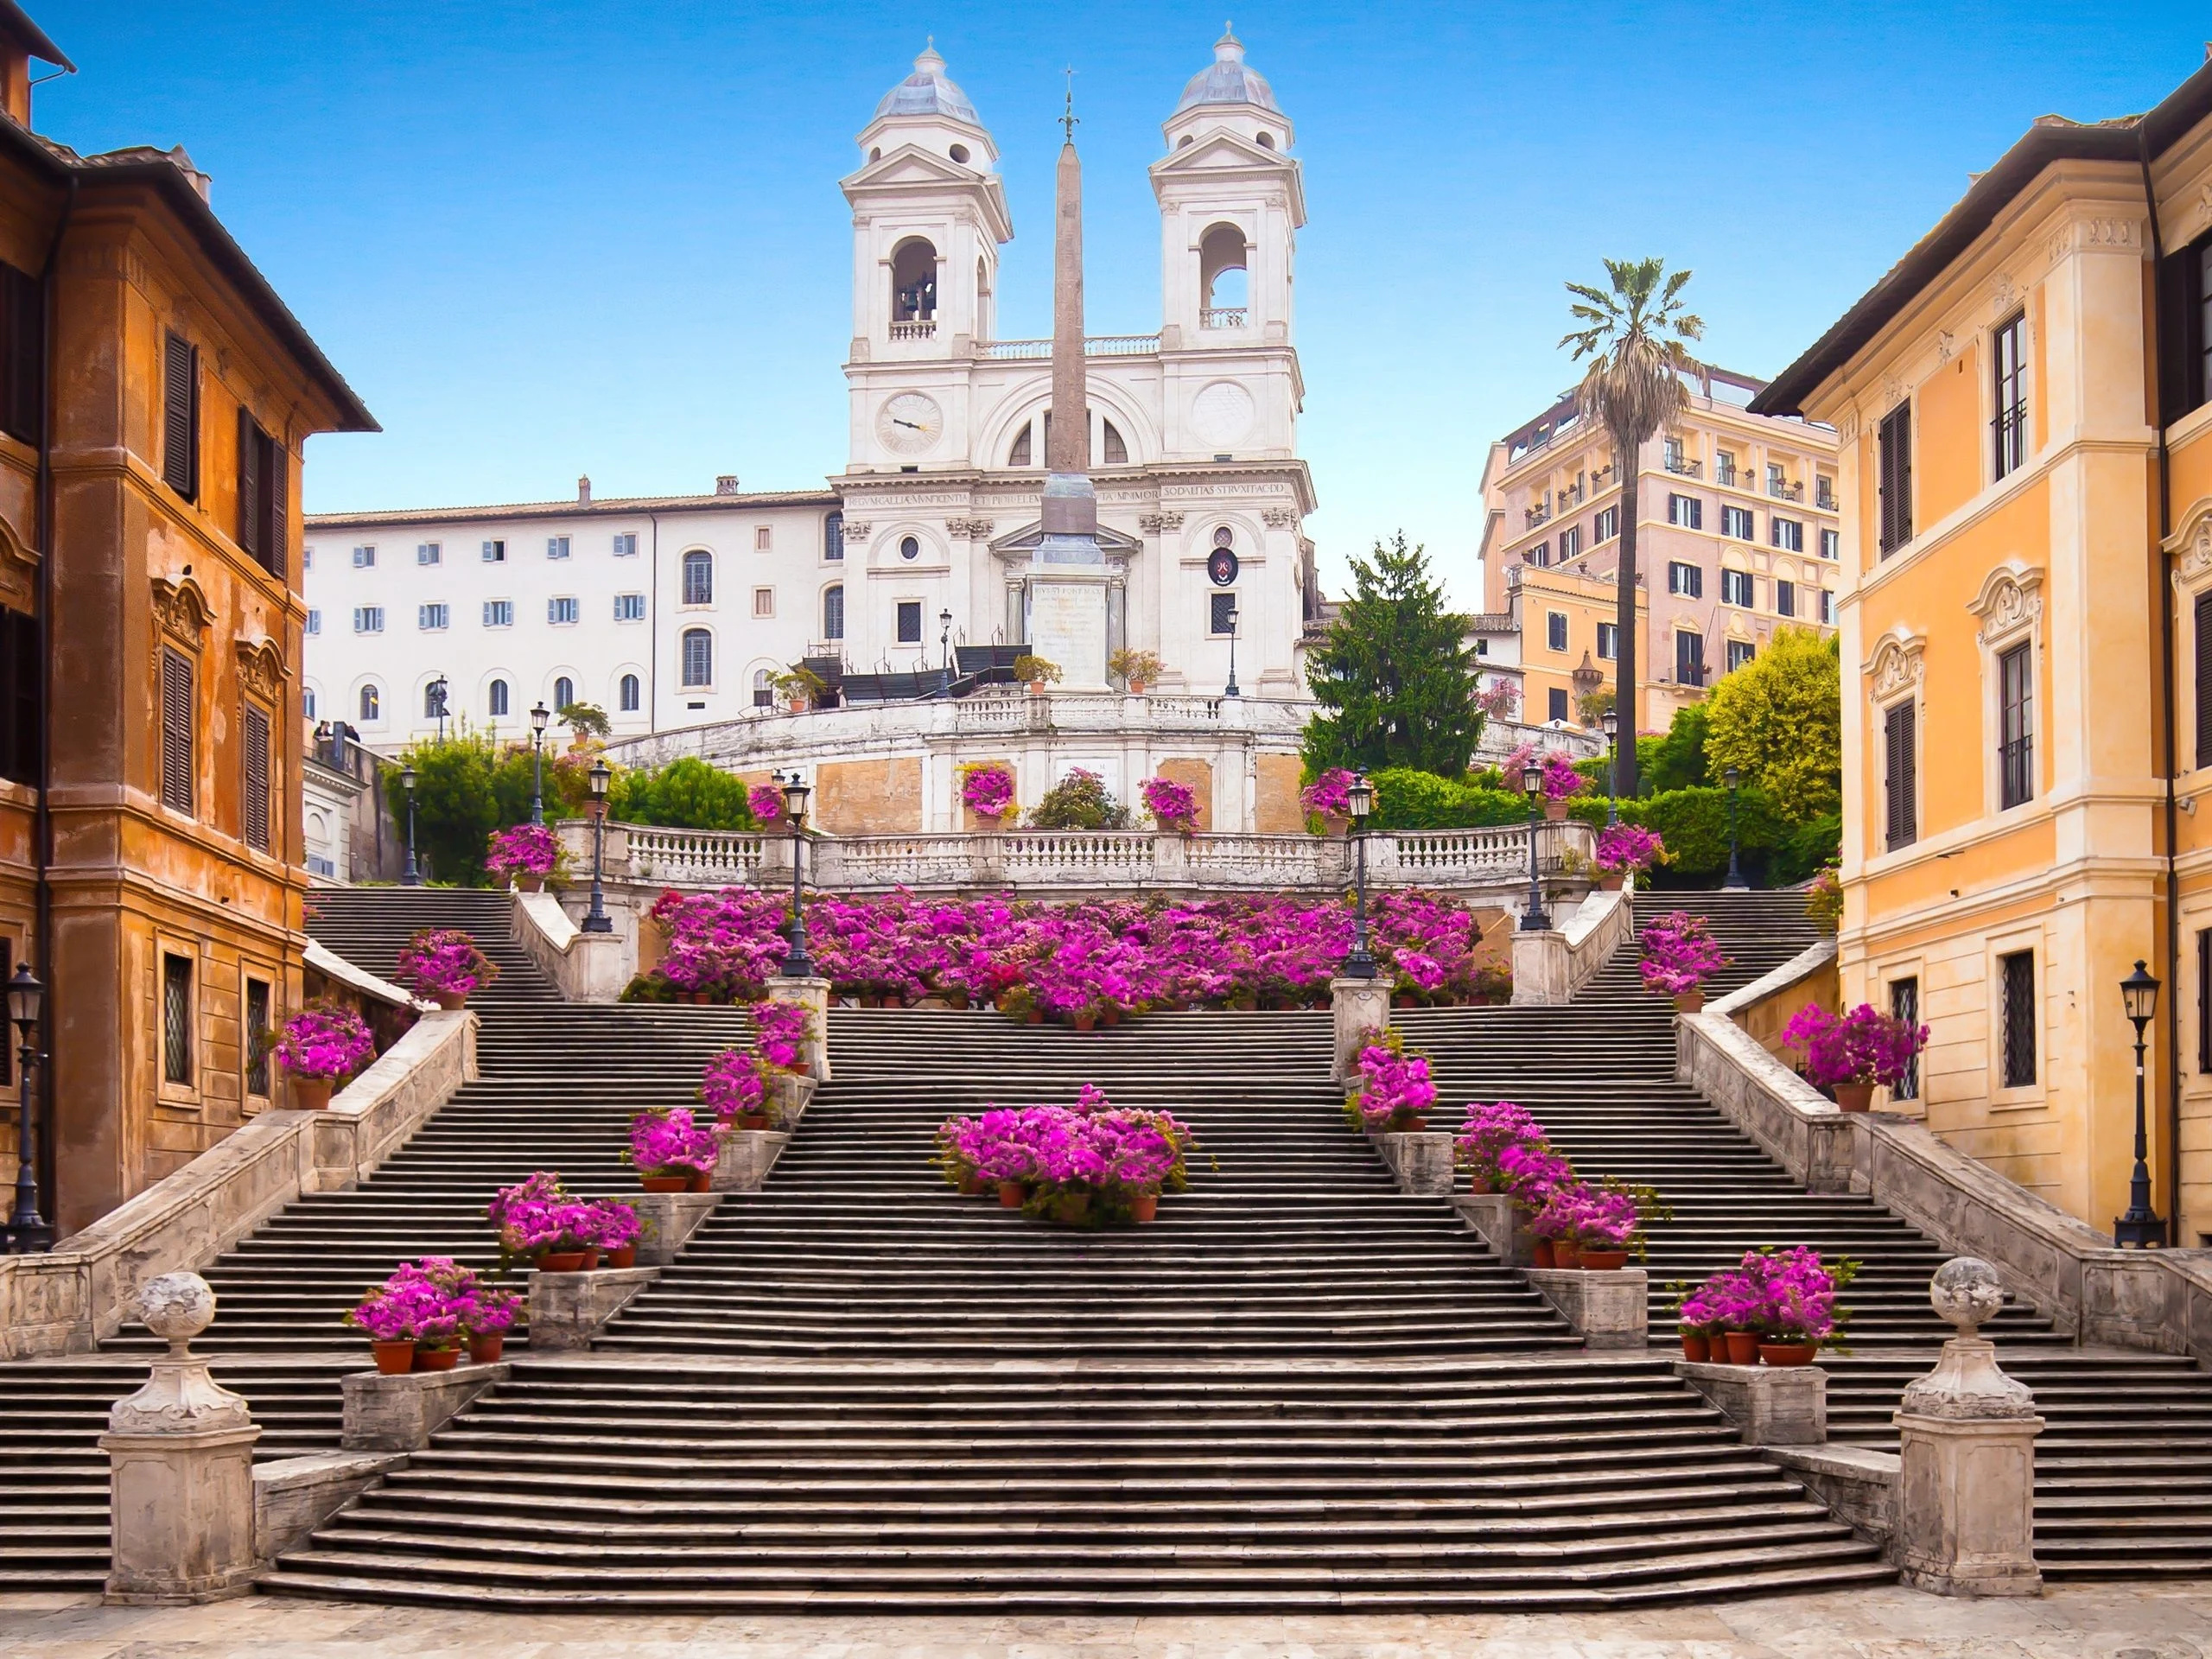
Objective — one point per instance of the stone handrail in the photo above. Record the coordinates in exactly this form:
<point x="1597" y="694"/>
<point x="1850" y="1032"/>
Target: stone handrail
<point x="2156" y="1299"/>
<point x="65" y="1301"/>
<point x="587" y="967"/>
<point x="711" y="858"/>
<point x="1551" y="965"/>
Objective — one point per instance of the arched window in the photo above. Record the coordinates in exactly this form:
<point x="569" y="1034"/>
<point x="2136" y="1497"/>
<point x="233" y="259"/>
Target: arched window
<point x="497" y="701"/>
<point x="833" y="612"/>
<point x="371" y="705"/>
<point x="564" y="692"/>
<point x="913" y="282"/>
<point x="764" y="688"/>
<point x="1111" y="443"/>
<point x="698" y="656"/>
<point x="698" y="577"/>
<point x="307" y="700"/>
<point x="626" y="695"/>
<point x="833" y="539"/>
<point x="1222" y="256"/>
<point x="1023" y="451"/>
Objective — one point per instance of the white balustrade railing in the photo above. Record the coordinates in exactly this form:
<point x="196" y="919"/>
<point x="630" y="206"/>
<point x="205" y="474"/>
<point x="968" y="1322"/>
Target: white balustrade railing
<point x="695" y="858"/>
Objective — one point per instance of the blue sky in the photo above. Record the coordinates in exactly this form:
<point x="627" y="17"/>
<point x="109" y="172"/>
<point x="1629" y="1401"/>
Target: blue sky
<point x="551" y="239"/>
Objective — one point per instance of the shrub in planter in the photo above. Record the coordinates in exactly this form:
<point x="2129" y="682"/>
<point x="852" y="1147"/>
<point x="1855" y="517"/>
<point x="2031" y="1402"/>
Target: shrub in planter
<point x="987" y="789"/>
<point x="1628" y="849"/>
<point x="1777" y="1305"/>
<point x="1680" y="954"/>
<point x="781" y="1032"/>
<point x="410" y="1312"/>
<point x="612" y="1227"/>
<point x="1329" y="796"/>
<point x="1487" y="1133"/>
<point x="668" y="1146"/>
<point x="1173" y="806"/>
<point x="322" y="1043"/>
<point x="765" y="803"/>
<point x="735" y="1086"/>
<point x="1090" y="1165"/>
<point x="1391" y="1090"/>
<point x="1079" y="801"/>
<point x="526" y="854"/>
<point x="445" y="965"/>
<point x="1853" y="1054"/>
<point x="1824" y="900"/>
<point x="1138" y="668"/>
<point x="537" y="1219"/>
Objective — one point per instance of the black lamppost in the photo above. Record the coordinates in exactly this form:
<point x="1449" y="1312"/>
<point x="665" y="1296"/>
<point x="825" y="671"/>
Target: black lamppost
<point x="28" y="1232"/>
<point x="1360" y="964"/>
<point x="1231" y="690"/>
<point x="1735" y="872"/>
<point x="596" y="920"/>
<point x="1533" y="918"/>
<point x="944" y="652"/>
<point x="1611" y="719"/>
<point x="797" y="964"/>
<point x="414" y="876"/>
<point x="2140" y="1227"/>
<point x="439" y="691"/>
<point x="537" y="719"/>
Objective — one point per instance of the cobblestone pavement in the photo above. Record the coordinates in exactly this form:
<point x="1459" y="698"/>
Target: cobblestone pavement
<point x="2163" y="1621"/>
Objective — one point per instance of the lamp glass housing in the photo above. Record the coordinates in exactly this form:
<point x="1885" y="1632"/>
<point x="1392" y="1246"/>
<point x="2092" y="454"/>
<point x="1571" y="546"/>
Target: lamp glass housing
<point x="1360" y="797"/>
<point x="26" y="995"/>
<point x="407" y="778"/>
<point x="795" y="794"/>
<point x="1532" y="780"/>
<point x="2139" y="991"/>
<point x="600" y="775"/>
<point x="1611" y="720"/>
<point x="1730" y="777"/>
<point x="538" y="717"/>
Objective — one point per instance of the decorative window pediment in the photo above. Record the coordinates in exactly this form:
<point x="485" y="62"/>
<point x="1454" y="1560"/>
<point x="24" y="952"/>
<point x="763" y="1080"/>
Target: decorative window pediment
<point x="1896" y="665"/>
<point x="2010" y="602"/>
<point x="182" y="610"/>
<point x="261" y="668"/>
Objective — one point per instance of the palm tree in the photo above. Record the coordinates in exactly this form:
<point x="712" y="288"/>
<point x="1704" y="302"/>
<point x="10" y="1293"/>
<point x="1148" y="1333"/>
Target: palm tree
<point x="1633" y="336"/>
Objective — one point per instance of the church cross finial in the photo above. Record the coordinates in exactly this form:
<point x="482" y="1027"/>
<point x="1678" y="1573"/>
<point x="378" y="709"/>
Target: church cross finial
<point x="1069" y="119"/>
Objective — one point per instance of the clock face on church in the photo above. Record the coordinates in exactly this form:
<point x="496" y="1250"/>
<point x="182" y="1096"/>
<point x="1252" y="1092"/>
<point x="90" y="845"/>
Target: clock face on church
<point x="909" y="422"/>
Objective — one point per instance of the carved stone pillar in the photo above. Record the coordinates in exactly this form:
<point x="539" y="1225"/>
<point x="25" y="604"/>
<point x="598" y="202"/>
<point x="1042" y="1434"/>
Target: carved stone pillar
<point x="1362" y="1009"/>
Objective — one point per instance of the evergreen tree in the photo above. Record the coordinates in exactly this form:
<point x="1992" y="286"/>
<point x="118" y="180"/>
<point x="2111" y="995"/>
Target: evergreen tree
<point x="1396" y="676"/>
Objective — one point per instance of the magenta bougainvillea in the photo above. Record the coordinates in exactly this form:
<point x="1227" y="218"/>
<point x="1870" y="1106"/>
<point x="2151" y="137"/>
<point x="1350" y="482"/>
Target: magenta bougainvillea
<point x="1561" y="781"/>
<point x="1628" y="847"/>
<point x="444" y="961"/>
<point x="523" y="849"/>
<point x="987" y="790"/>
<point x="767" y="801"/>
<point x="1329" y="794"/>
<point x="1863" y="1047"/>
<point x="1680" y="954"/>
<point x="1173" y="805"/>
<point x="325" y="1040"/>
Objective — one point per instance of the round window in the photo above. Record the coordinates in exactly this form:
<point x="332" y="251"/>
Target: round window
<point x="910" y="547"/>
<point x="960" y="152"/>
<point x="1222" y="536"/>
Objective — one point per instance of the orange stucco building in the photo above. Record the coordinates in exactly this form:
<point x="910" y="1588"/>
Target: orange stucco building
<point x="2025" y="467"/>
<point x="155" y="395"/>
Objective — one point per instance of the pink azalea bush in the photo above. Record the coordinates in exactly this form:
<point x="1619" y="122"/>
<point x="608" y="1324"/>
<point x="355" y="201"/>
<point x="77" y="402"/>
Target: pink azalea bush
<point x="767" y="801"/>
<point x="1680" y="954"/>
<point x="726" y="941"/>
<point x="1489" y="1131"/>
<point x="1625" y="847"/>
<point x="780" y="1033"/>
<point x="669" y="1143"/>
<point x="524" y="849"/>
<point x="1786" y="1296"/>
<point x="411" y="1305"/>
<point x="1391" y="1087"/>
<point x="325" y="1040"/>
<point x="1863" y="1047"/>
<point x="1173" y="805"/>
<point x="1094" y="1151"/>
<point x="611" y="1225"/>
<point x="1561" y="781"/>
<point x="735" y="1082"/>
<point x="537" y="1215"/>
<point x="1530" y="1172"/>
<point x="1597" y="1218"/>
<point x="987" y="790"/>
<point x="1329" y="794"/>
<point x="444" y="961"/>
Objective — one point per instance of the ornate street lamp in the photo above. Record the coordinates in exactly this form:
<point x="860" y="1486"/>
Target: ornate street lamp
<point x="944" y="654"/>
<point x="1611" y="719"/>
<point x="414" y="876"/>
<point x="538" y="717"/>
<point x="1735" y="873"/>
<point x="1533" y="918"/>
<point x="1360" y="964"/>
<point x="28" y="1232"/>
<point x="1231" y="690"/>
<point x="439" y="690"/>
<point x="797" y="964"/>
<point x="2140" y="1227"/>
<point x="596" y="920"/>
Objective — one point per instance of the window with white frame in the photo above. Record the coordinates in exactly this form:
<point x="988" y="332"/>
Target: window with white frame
<point x="1688" y="511"/>
<point x="495" y="552"/>
<point x="432" y="618"/>
<point x="564" y="692"/>
<point x="698" y="653"/>
<point x="1570" y="543"/>
<point x="498" y="612"/>
<point x="1736" y="522"/>
<point x="556" y="547"/>
<point x="429" y="553"/>
<point x="1788" y="534"/>
<point x="562" y="609"/>
<point x="764" y="601"/>
<point x="1736" y="587"/>
<point x="1785" y="598"/>
<point x="1608" y="524"/>
<point x="698" y="577"/>
<point x="1609" y="641"/>
<point x="626" y="544"/>
<point x="1555" y="630"/>
<point x="364" y="558"/>
<point x="307" y="558"/>
<point x="629" y="607"/>
<point x="1685" y="580"/>
<point x="763" y="538"/>
<point x="368" y="619"/>
<point x="628" y="694"/>
<point x="496" y="698"/>
<point x="1831" y="543"/>
<point x="1826" y="606"/>
<point x="1740" y="652"/>
<point x="315" y="621"/>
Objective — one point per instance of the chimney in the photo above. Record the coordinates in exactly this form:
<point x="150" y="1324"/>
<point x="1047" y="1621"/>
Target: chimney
<point x="583" y="491"/>
<point x="726" y="484"/>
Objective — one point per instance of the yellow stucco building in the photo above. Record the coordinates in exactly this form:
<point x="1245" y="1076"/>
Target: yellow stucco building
<point x="2025" y="467"/>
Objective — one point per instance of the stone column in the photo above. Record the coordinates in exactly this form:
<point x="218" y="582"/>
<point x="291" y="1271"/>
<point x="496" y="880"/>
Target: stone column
<point x="1967" y="1445"/>
<point x="814" y="994"/>
<point x="1362" y="1008"/>
<point x="181" y="1466"/>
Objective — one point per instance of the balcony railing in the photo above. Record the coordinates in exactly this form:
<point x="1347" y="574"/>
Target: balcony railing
<point x="1221" y="316"/>
<point x="1783" y="490"/>
<point x="1686" y="467"/>
<point x="1538" y="514"/>
<point x="1571" y="496"/>
<point x="915" y="329"/>
<point x="1824" y="496"/>
<point x="1093" y="345"/>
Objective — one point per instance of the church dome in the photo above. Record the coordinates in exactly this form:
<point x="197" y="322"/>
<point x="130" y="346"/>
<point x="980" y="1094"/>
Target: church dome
<point x="1228" y="80"/>
<point x="926" y="92"/>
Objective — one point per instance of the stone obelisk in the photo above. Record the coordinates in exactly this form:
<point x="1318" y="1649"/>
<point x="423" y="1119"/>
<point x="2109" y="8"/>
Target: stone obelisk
<point x="1067" y="592"/>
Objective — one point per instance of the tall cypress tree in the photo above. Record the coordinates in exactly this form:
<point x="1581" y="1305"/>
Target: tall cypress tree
<point x="1395" y="676"/>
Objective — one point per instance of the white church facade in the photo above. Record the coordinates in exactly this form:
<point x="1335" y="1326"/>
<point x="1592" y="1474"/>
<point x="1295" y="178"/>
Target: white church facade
<point x="677" y="612"/>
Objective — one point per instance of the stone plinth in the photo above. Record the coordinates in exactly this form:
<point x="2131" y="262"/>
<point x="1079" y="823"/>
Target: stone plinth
<point x="814" y="994"/>
<point x="1858" y="1483"/>
<point x="179" y="1467"/>
<point x="400" y="1414"/>
<point x="670" y="1219"/>
<point x="1361" y="1013"/>
<point x="1771" y="1405"/>
<point x="1502" y="1225"/>
<point x="294" y="1496"/>
<point x="743" y="1158"/>
<point x="1542" y="973"/>
<point x="1608" y="1309"/>
<point x="568" y="1310"/>
<point x="788" y="1095"/>
<point x="1421" y="1162"/>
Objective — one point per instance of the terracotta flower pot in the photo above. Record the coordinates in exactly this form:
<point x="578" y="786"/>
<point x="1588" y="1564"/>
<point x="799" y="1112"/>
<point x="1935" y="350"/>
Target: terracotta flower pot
<point x="699" y="1181"/>
<point x="1608" y="881"/>
<point x="675" y="1183"/>
<point x="1743" y="1347"/>
<point x="971" y="1184"/>
<point x="395" y="1359"/>
<point x="530" y="883"/>
<point x="1409" y="1123"/>
<point x="1334" y="824"/>
<point x="452" y="1002"/>
<point x="591" y="1258"/>
<point x="486" y="1350"/>
<point x="561" y="1260"/>
<point x="1071" y="1208"/>
<point x="1544" y="1257"/>
<point x="1603" y="1261"/>
<point x="1787" y="1353"/>
<point x="1855" y="1096"/>
<point x="1036" y="1017"/>
<point x="1086" y="1021"/>
<point x="1688" y="1001"/>
<point x="312" y="1093"/>
<point x="1566" y="1253"/>
<point x="1696" y="1348"/>
<point x="1011" y="1194"/>
<point x="1554" y="811"/>
<point x="1136" y="688"/>
<point x="625" y="1257"/>
<point x="752" y="1120"/>
<point x="1479" y="1185"/>
<point x="1145" y="1207"/>
<point x="436" y="1359"/>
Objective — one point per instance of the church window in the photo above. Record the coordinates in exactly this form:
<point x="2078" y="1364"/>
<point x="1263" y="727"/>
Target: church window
<point x="1267" y="141"/>
<point x="1022" y="454"/>
<point x="1115" y="449"/>
<point x="833" y="539"/>
<point x="371" y="703"/>
<point x="698" y="578"/>
<point x="1222" y="619"/>
<point x="959" y="152"/>
<point x="698" y="656"/>
<point x="564" y="692"/>
<point x="496" y="699"/>
<point x="1222" y="277"/>
<point x="764" y="688"/>
<point x="910" y="547"/>
<point x="626" y="694"/>
<point x="910" y="622"/>
<point x="833" y="612"/>
<point x="913" y="282"/>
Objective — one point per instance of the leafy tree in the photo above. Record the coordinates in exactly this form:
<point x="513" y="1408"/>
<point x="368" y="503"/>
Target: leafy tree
<point x="455" y="807"/>
<point x="1778" y="720"/>
<point x="1677" y="759"/>
<point x="685" y="794"/>
<point x="588" y="718"/>
<point x="1633" y="337"/>
<point x="1079" y="801"/>
<point x="1395" y="676"/>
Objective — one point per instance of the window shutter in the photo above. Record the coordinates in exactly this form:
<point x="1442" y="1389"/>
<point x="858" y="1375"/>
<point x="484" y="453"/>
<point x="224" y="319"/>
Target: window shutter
<point x="2178" y="313"/>
<point x="2203" y="617"/>
<point x="1903" y="418"/>
<point x="250" y="502"/>
<point x="1900" y="772"/>
<point x="276" y="482"/>
<point x="181" y="415"/>
<point x="176" y="731"/>
<point x="22" y="377"/>
<point x="257" y="778"/>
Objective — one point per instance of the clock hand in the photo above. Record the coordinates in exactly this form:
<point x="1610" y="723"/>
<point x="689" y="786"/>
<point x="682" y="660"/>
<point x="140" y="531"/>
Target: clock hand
<point x="916" y="425"/>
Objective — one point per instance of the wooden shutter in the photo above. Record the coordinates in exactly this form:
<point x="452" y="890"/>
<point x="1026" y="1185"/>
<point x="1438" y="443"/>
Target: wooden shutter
<point x="2203" y="643"/>
<point x="277" y="484"/>
<point x="176" y="730"/>
<point x="181" y="415"/>
<point x="256" y="796"/>
<point x="23" y="340"/>
<point x="1900" y="771"/>
<point x="2180" y="285"/>
<point x="251" y="507"/>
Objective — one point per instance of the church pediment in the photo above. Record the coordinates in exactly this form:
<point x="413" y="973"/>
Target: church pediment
<point x="911" y="168"/>
<point x="1222" y="151"/>
<point x="1030" y="536"/>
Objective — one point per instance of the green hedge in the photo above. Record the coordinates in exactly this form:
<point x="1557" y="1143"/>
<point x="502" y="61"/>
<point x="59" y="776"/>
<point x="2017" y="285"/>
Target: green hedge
<point x="1406" y="799"/>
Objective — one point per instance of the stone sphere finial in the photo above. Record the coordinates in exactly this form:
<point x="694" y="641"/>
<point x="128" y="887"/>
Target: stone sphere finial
<point x="177" y="1306"/>
<point x="1966" y="1293"/>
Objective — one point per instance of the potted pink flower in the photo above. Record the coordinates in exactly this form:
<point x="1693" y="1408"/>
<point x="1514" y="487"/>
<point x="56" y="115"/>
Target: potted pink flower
<point x="735" y="1086"/>
<point x="767" y="801"/>
<point x="1391" y="1092"/>
<point x="612" y="1227"/>
<point x="1562" y="783"/>
<point x="1851" y="1055"/>
<point x="1625" y="849"/>
<point x="525" y="853"/>
<point x="1487" y="1135"/>
<point x="536" y="1218"/>
<point x="444" y="964"/>
<point x="672" y="1152"/>
<point x="987" y="789"/>
<point x="1173" y="806"/>
<point x="321" y="1043"/>
<point x="411" y="1321"/>
<point x="1329" y="797"/>
<point x="1680" y="954"/>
